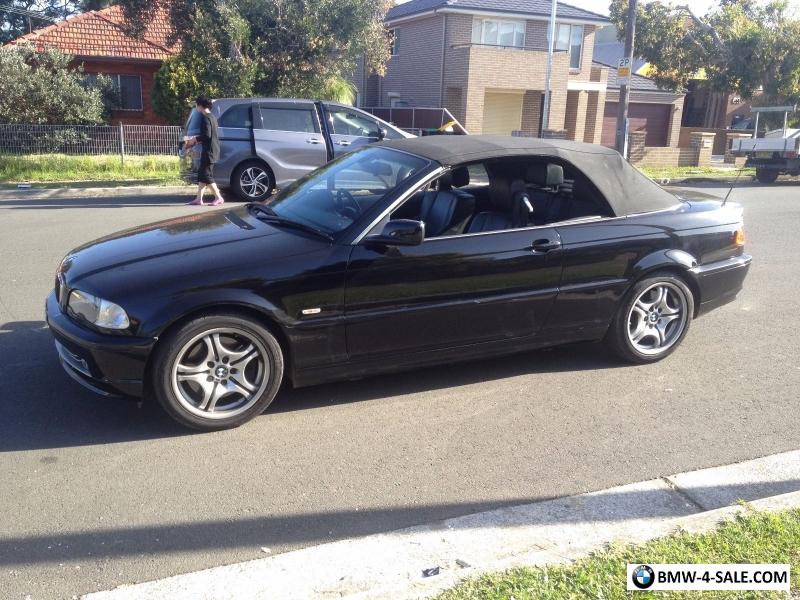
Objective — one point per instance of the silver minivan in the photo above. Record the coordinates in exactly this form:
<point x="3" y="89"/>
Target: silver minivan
<point x="266" y="143"/>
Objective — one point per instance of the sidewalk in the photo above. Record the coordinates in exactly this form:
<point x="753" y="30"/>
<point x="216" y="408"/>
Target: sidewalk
<point x="391" y="565"/>
<point x="42" y="192"/>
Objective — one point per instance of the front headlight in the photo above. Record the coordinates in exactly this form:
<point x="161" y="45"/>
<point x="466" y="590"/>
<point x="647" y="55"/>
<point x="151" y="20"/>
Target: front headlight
<point x="97" y="311"/>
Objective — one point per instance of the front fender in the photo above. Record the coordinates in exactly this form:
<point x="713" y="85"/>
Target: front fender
<point x="193" y="302"/>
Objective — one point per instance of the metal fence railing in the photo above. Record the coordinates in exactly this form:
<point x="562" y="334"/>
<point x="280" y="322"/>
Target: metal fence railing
<point x="89" y="139"/>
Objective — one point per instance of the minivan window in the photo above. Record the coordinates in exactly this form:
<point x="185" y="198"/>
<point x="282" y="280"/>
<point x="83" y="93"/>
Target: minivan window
<point x="289" y="119"/>
<point x="349" y="122"/>
<point x="236" y="116"/>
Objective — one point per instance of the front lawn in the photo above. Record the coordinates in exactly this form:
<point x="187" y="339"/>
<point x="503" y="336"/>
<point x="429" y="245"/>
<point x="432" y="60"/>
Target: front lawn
<point x="54" y="168"/>
<point x="679" y="173"/>
<point x="753" y="537"/>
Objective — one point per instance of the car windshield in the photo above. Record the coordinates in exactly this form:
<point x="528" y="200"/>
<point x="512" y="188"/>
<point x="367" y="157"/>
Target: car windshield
<point x="333" y="197"/>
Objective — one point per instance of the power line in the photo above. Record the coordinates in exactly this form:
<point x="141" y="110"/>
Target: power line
<point x="26" y="13"/>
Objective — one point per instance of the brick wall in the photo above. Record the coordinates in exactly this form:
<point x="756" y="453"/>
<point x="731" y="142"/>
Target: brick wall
<point x="145" y="70"/>
<point x="415" y="72"/>
<point x="697" y="154"/>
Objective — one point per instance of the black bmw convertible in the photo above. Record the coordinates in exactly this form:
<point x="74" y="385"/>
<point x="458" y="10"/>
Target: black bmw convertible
<point x="402" y="254"/>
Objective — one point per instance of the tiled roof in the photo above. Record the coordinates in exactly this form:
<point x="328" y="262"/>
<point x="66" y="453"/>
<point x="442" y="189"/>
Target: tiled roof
<point x="523" y="7"/>
<point x="100" y="33"/>
<point x="638" y="82"/>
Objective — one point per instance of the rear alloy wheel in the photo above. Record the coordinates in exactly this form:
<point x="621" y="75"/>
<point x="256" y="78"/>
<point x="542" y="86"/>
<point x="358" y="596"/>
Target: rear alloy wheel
<point x="217" y="372"/>
<point x="652" y="320"/>
<point x="766" y="175"/>
<point x="252" y="182"/>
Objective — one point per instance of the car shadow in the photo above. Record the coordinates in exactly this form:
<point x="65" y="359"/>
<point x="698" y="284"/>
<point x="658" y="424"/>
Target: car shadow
<point x="48" y="410"/>
<point x="571" y="357"/>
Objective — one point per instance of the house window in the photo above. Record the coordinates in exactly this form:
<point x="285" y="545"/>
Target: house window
<point x="493" y="32"/>
<point x="569" y="38"/>
<point x="127" y="88"/>
<point x="394" y="40"/>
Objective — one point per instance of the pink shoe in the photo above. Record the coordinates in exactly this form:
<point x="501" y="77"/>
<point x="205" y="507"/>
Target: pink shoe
<point x="218" y="201"/>
<point x="195" y="202"/>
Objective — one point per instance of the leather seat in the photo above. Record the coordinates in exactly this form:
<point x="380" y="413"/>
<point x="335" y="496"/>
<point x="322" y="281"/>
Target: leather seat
<point x="509" y="198"/>
<point x="544" y="180"/>
<point x="447" y="210"/>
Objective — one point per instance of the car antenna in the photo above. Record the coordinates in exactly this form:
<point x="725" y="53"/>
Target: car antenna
<point x="730" y="189"/>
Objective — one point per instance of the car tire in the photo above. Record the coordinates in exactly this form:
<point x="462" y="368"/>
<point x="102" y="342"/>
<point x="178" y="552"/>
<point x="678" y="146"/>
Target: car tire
<point x="252" y="181"/>
<point x="652" y="319"/>
<point x="217" y="371"/>
<point x="766" y="175"/>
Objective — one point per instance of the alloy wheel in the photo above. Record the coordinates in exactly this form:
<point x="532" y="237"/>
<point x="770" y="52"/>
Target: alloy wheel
<point x="657" y="318"/>
<point x="220" y="373"/>
<point x="254" y="181"/>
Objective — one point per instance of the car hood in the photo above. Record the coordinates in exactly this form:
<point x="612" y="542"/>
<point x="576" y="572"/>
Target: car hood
<point x="214" y="238"/>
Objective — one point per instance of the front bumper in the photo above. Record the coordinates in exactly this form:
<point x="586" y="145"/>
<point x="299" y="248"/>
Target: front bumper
<point x="109" y="365"/>
<point x="719" y="282"/>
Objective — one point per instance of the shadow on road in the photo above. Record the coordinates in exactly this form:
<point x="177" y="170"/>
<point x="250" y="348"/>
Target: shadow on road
<point x="319" y="527"/>
<point x="49" y="410"/>
<point x="96" y="202"/>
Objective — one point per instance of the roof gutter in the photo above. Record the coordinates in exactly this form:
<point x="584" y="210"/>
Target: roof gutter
<point x="495" y="13"/>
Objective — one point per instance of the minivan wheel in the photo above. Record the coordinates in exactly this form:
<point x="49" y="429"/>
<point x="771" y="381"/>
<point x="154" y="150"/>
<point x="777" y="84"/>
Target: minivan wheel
<point x="217" y="371"/>
<point x="252" y="182"/>
<point x="652" y="319"/>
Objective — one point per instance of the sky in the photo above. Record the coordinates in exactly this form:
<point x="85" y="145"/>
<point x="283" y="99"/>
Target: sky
<point x="699" y="6"/>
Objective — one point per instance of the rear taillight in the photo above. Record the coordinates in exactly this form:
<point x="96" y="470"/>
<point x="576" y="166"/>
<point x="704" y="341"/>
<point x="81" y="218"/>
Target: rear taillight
<point x="738" y="237"/>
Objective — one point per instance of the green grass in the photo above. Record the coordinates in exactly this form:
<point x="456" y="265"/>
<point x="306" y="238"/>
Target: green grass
<point x="53" y="168"/>
<point x="749" y="538"/>
<point x="659" y="173"/>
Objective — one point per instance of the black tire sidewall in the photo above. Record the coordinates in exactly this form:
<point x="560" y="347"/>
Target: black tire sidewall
<point x="237" y="188"/>
<point x="166" y="353"/>
<point x="766" y="175"/>
<point x="618" y="335"/>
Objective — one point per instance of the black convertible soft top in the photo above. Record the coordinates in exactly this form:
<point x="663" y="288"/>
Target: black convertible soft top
<point x="625" y="188"/>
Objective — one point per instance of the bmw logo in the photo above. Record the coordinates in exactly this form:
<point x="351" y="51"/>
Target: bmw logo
<point x="643" y="577"/>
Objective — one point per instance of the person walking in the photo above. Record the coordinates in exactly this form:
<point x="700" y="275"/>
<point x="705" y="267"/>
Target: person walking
<point x="209" y="138"/>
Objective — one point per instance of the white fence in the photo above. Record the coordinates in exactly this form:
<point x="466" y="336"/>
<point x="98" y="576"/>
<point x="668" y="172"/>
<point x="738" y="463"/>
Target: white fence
<point x="89" y="139"/>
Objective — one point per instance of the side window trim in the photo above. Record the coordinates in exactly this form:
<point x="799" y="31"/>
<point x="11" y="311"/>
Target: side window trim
<point x="289" y="106"/>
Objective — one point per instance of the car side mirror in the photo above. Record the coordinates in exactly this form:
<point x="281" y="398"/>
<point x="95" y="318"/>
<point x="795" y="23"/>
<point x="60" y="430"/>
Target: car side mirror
<point x="381" y="134"/>
<point x="400" y="232"/>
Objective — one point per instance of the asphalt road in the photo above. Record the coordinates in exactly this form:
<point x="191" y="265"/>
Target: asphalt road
<point x="96" y="493"/>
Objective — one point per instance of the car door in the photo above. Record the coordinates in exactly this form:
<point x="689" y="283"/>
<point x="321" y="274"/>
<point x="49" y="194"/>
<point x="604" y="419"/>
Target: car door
<point x="287" y="135"/>
<point x="450" y="291"/>
<point x="351" y="128"/>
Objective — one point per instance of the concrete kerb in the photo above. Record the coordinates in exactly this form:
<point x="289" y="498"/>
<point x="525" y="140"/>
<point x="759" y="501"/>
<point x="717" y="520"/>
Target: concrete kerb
<point x="391" y="565"/>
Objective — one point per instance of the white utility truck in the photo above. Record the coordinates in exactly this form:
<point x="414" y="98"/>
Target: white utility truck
<point x="777" y="153"/>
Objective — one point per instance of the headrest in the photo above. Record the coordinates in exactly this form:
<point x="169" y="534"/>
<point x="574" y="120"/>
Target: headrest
<point x="446" y="181"/>
<point x="460" y="177"/>
<point x="545" y="174"/>
<point x="381" y="168"/>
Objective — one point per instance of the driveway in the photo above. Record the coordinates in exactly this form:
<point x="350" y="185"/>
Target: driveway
<point x="95" y="493"/>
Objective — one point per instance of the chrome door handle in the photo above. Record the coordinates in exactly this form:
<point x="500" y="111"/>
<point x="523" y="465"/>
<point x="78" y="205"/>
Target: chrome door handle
<point x="545" y="245"/>
<point x="343" y="143"/>
<point x="313" y="141"/>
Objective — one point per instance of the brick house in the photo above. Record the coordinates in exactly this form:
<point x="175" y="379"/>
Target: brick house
<point x="485" y="61"/>
<point x="97" y="40"/>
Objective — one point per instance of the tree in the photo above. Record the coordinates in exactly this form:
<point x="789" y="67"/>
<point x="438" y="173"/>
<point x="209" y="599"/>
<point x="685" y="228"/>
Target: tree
<point x="42" y="87"/>
<point x="293" y="48"/>
<point x="741" y="46"/>
<point x="18" y="17"/>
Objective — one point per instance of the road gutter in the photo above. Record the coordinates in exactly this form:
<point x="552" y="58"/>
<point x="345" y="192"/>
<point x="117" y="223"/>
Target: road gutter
<point x="391" y="565"/>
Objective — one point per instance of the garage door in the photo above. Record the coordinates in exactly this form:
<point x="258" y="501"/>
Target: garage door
<point x="502" y="113"/>
<point x="653" y="118"/>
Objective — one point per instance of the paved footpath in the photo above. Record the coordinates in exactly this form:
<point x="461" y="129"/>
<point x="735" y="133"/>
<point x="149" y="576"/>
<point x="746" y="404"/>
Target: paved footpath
<point x="390" y="565"/>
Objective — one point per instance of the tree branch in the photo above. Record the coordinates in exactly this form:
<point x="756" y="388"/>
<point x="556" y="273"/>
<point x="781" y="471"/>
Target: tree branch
<point x="704" y="26"/>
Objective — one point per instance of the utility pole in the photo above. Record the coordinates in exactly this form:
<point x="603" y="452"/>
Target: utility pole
<point x="622" y="110"/>
<point x="549" y="72"/>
